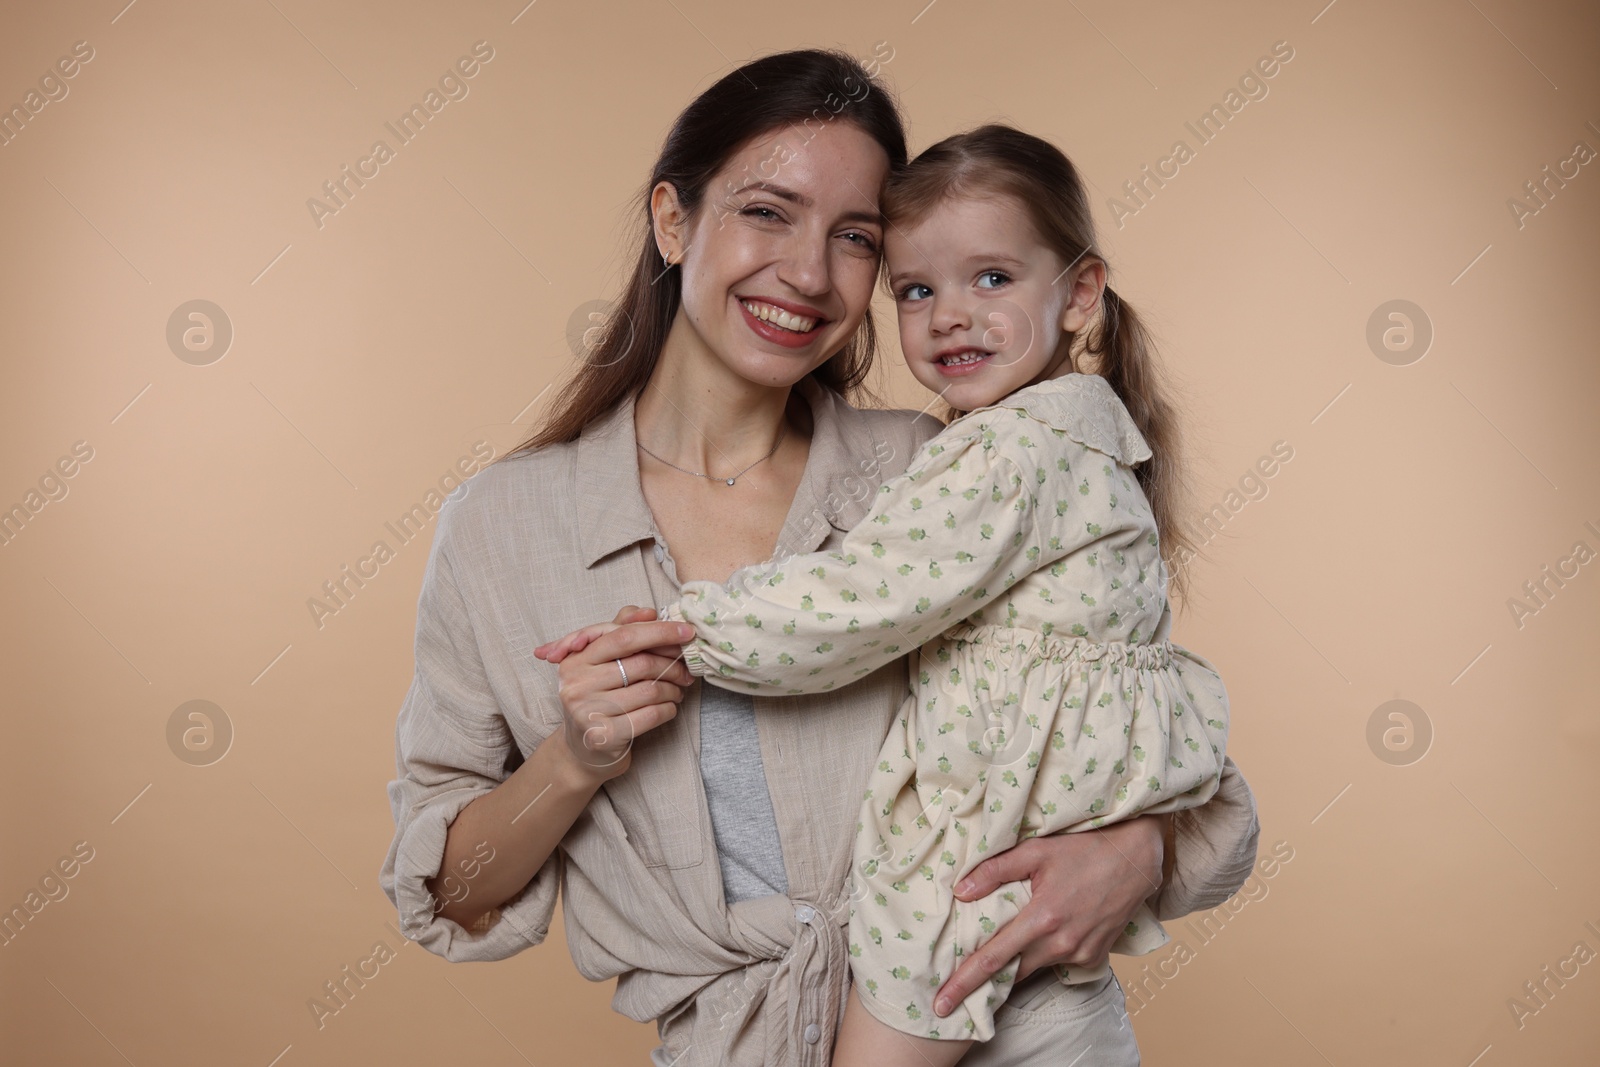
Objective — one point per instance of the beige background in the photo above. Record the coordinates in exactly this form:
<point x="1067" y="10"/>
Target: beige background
<point x="433" y="309"/>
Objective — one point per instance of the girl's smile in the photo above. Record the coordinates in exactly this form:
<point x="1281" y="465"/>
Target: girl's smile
<point x="962" y="359"/>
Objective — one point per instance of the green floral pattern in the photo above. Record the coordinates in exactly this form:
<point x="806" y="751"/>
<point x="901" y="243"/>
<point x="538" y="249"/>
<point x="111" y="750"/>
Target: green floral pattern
<point x="1017" y="561"/>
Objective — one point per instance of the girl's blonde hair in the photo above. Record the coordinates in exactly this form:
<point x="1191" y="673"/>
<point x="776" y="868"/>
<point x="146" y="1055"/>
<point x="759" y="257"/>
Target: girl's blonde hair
<point x="997" y="159"/>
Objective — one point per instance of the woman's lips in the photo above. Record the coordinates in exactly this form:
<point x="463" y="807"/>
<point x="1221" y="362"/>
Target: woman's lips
<point x="777" y="334"/>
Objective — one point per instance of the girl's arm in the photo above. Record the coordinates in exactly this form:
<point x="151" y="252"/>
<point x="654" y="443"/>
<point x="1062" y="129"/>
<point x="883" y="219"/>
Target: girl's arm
<point x="943" y="539"/>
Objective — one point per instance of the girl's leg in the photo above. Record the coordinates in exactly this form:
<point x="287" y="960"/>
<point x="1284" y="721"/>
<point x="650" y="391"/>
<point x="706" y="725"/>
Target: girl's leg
<point x="864" y="1041"/>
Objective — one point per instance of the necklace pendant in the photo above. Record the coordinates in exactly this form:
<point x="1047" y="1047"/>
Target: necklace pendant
<point x="730" y="481"/>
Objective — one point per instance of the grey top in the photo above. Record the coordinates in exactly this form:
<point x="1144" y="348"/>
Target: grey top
<point x="742" y="820"/>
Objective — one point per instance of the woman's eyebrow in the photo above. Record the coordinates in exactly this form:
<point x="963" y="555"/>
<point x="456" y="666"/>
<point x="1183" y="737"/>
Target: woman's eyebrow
<point x="871" y="218"/>
<point x="800" y="199"/>
<point x="781" y="192"/>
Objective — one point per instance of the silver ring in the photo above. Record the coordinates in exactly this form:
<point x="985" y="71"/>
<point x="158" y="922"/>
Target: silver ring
<point x="624" y="671"/>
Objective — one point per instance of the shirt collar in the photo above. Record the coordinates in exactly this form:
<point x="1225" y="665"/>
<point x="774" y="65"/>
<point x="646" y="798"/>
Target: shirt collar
<point x="613" y="513"/>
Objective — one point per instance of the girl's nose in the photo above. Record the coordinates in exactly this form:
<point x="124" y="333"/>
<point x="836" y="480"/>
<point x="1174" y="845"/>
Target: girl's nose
<point x="950" y="314"/>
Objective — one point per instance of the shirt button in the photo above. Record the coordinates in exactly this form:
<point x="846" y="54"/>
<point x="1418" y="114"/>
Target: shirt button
<point x="805" y="913"/>
<point x="661" y="552"/>
<point x="813" y="1031"/>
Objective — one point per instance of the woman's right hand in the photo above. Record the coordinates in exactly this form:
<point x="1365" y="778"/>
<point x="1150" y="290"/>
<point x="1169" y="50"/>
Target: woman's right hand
<point x="601" y="715"/>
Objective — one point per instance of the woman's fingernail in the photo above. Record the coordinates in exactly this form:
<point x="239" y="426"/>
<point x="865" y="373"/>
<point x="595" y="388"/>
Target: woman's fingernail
<point x="964" y="886"/>
<point x="685" y="631"/>
<point x="941" y="1006"/>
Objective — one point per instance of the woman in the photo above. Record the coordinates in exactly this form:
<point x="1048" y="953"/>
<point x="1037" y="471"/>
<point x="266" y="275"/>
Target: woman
<point x="709" y="430"/>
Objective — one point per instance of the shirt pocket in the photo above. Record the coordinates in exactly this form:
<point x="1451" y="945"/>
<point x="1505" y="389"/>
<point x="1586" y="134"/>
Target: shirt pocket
<point x="658" y="800"/>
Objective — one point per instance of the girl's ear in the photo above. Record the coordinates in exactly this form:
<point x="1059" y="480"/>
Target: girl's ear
<point x="668" y="221"/>
<point x="1086" y="288"/>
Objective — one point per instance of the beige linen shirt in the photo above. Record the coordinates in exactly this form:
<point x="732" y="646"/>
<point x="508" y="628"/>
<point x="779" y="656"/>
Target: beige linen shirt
<point x="543" y="543"/>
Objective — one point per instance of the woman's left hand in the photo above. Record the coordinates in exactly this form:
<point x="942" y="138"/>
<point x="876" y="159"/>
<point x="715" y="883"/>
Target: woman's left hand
<point x="1085" y="887"/>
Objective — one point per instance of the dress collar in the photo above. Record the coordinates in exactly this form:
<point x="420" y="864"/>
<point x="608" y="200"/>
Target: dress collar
<point x="1086" y="409"/>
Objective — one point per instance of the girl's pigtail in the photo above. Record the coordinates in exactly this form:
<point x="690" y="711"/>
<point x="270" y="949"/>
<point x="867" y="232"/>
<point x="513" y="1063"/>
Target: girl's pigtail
<point x="1125" y="357"/>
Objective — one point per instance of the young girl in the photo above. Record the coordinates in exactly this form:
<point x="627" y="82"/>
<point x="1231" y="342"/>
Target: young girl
<point x="1019" y="559"/>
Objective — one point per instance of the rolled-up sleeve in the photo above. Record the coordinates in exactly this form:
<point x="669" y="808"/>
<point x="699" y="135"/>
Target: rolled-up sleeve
<point x="1215" y="849"/>
<point x="451" y="747"/>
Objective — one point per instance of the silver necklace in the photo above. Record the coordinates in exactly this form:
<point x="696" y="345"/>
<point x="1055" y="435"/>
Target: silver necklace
<point x="730" y="481"/>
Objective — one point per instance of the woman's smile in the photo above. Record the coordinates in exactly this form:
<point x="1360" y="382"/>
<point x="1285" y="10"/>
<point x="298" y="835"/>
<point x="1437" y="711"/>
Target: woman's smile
<point x="787" y="324"/>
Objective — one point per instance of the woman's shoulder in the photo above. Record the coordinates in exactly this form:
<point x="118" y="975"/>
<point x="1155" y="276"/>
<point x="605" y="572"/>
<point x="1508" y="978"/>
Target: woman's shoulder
<point x="892" y="435"/>
<point x="517" y="489"/>
<point x="906" y="430"/>
<point x="1081" y="407"/>
<point x="511" y="476"/>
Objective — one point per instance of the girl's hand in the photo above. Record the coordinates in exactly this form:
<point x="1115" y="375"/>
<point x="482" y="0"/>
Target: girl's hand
<point x="562" y="647"/>
<point x="559" y="649"/>
<point x="1085" y="888"/>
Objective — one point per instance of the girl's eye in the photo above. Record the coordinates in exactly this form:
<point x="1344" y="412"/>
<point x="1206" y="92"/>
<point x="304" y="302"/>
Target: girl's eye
<point x="1001" y="275"/>
<point x="915" y="291"/>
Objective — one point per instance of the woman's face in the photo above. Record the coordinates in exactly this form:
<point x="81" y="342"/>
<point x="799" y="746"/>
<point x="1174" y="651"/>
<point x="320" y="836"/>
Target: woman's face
<point x="779" y="260"/>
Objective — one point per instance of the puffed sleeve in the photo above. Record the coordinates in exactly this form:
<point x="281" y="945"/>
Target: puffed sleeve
<point x="451" y="746"/>
<point x="951" y="533"/>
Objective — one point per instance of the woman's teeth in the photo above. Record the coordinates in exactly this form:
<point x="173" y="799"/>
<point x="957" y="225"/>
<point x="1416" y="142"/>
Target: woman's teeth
<point x="779" y="317"/>
<point x="963" y="358"/>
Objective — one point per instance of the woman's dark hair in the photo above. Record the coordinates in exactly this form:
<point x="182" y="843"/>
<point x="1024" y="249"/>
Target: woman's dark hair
<point x="799" y="88"/>
<point x="998" y="160"/>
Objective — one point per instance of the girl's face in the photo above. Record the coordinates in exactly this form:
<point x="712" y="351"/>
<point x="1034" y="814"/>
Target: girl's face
<point x="984" y="304"/>
<point x="780" y="258"/>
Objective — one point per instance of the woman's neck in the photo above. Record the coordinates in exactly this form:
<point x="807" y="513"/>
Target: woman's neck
<point x="697" y="413"/>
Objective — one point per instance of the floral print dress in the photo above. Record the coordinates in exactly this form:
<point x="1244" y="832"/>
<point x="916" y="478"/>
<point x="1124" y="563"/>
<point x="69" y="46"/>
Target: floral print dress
<point x="1017" y="561"/>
